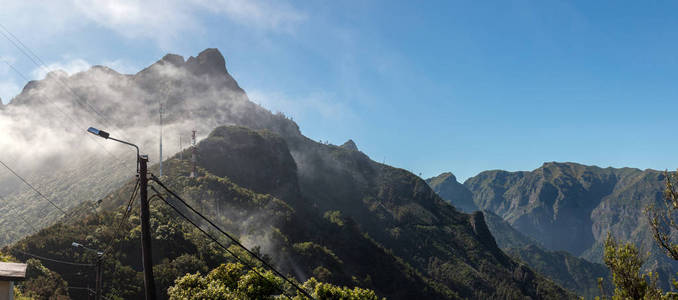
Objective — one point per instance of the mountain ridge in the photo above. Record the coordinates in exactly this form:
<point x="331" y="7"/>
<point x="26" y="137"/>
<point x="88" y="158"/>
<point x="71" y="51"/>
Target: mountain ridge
<point x="397" y="210"/>
<point x="570" y="207"/>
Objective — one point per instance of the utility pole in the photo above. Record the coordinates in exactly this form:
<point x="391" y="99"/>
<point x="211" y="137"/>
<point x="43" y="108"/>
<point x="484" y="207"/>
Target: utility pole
<point x="146" y="229"/>
<point x="99" y="262"/>
<point x="98" y="283"/>
<point x="142" y="168"/>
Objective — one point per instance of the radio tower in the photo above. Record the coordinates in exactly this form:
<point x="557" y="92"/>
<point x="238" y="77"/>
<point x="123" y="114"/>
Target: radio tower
<point x="194" y="173"/>
<point x="160" y="158"/>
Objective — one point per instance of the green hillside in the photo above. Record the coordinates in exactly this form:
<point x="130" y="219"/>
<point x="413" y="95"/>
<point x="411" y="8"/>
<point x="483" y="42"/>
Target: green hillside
<point x="400" y="240"/>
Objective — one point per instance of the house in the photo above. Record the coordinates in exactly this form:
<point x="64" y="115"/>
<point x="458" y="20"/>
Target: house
<point x="9" y="273"/>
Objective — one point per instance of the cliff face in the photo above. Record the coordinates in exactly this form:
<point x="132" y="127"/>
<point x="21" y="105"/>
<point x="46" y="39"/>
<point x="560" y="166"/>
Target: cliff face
<point x="448" y="188"/>
<point x="565" y="206"/>
<point x="567" y="270"/>
<point x="571" y="207"/>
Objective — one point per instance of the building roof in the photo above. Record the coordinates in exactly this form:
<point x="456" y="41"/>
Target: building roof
<point x="12" y="271"/>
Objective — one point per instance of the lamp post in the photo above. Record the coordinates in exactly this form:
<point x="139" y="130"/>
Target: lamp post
<point x="98" y="265"/>
<point x="146" y="253"/>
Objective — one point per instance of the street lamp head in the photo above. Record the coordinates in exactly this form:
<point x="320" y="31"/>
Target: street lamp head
<point x="98" y="132"/>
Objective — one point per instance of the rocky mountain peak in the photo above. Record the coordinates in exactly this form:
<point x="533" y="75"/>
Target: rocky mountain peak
<point x="174" y="59"/>
<point x="447" y="187"/>
<point x="350" y="145"/>
<point x="208" y="62"/>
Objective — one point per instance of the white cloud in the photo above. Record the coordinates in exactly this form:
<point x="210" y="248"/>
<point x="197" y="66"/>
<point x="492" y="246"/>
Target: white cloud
<point x="160" y="20"/>
<point x="263" y="14"/>
<point x="71" y="67"/>
<point x="8" y="89"/>
<point x="121" y="66"/>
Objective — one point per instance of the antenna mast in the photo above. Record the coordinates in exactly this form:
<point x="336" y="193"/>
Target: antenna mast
<point x="160" y="159"/>
<point x="194" y="173"/>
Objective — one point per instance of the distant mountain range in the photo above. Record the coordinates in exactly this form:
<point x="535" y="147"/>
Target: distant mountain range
<point x="568" y="207"/>
<point x="388" y="223"/>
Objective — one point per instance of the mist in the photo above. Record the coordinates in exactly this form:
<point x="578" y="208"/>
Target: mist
<point x="43" y="133"/>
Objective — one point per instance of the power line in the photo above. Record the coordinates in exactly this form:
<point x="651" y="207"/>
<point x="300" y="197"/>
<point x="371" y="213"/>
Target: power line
<point x="92" y="292"/>
<point x="55" y="260"/>
<point x="77" y="125"/>
<point x="124" y="218"/>
<point x="247" y="265"/>
<point x="22" y="218"/>
<point x="233" y="239"/>
<point x="68" y="116"/>
<point x="31" y="186"/>
<point x="42" y="65"/>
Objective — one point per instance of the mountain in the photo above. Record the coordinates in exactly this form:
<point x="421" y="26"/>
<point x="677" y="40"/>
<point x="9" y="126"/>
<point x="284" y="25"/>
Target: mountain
<point x="457" y="194"/>
<point x="571" y="207"/>
<point x="569" y="271"/>
<point x="313" y="208"/>
<point x="43" y="129"/>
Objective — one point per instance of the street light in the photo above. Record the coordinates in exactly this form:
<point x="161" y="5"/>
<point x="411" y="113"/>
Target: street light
<point x="107" y="136"/>
<point x="146" y="253"/>
<point x="100" y="255"/>
<point x="78" y="245"/>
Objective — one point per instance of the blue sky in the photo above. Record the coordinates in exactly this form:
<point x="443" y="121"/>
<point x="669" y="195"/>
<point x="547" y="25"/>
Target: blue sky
<point x="457" y="86"/>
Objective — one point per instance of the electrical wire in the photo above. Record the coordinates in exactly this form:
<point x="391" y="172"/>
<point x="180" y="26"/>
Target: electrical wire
<point x="124" y="217"/>
<point x="41" y="64"/>
<point x="233" y="239"/>
<point x="92" y="292"/>
<point x="32" y="187"/>
<point x="22" y="218"/>
<point x="63" y="112"/>
<point x="55" y="260"/>
<point x="242" y="261"/>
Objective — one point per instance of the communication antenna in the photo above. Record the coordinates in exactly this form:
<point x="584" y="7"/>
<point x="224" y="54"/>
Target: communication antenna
<point x="194" y="173"/>
<point x="181" y="150"/>
<point x="160" y="159"/>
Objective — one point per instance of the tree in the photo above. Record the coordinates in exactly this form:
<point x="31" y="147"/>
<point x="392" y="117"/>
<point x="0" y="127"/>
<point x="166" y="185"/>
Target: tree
<point x="624" y="263"/>
<point x="42" y="283"/>
<point x="663" y="221"/>
<point x="233" y="282"/>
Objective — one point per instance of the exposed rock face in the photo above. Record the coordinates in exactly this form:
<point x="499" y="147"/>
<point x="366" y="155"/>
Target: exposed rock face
<point x="457" y="194"/>
<point x="481" y="230"/>
<point x="350" y="145"/>
<point x="571" y="207"/>
<point x="569" y="271"/>
<point x="257" y="160"/>
<point x="552" y="204"/>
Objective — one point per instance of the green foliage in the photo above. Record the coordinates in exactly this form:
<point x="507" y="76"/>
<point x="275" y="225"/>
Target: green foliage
<point x="233" y="281"/>
<point x="386" y="230"/>
<point x="42" y="283"/>
<point x="166" y="272"/>
<point x="624" y="262"/>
